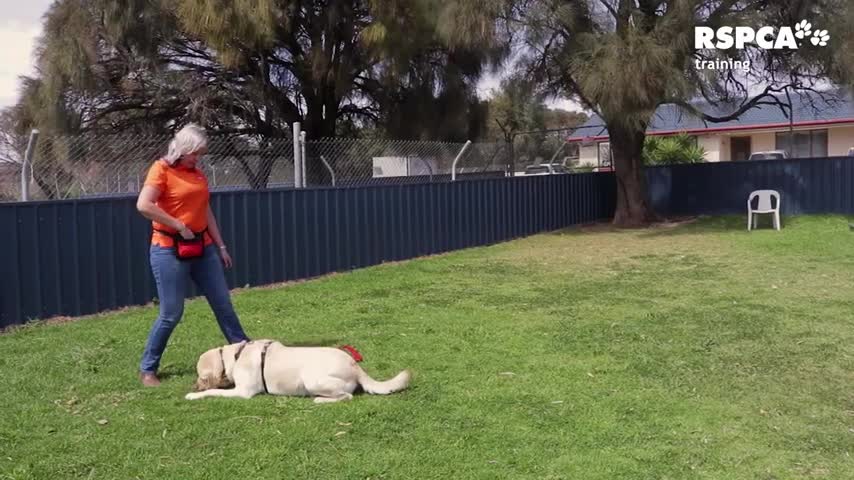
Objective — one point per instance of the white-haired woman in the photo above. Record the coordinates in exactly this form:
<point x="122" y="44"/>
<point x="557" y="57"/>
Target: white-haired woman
<point x="185" y="244"/>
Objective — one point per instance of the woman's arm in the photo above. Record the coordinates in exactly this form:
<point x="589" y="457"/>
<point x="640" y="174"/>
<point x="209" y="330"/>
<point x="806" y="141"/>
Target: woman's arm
<point x="146" y="204"/>
<point x="213" y="230"/>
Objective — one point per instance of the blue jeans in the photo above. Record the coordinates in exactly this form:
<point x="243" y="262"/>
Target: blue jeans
<point x="171" y="276"/>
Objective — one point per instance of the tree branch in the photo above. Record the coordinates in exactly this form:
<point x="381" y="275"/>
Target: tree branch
<point x="754" y="102"/>
<point x="610" y="8"/>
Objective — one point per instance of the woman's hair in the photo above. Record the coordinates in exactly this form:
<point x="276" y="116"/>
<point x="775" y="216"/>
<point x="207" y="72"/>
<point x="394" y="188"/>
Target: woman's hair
<point x="189" y="139"/>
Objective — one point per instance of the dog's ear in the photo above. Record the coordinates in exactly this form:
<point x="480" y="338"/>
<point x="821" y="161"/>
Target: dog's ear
<point x="209" y="382"/>
<point x="211" y="373"/>
<point x="224" y="382"/>
<point x="202" y="383"/>
<point x="212" y="378"/>
<point x="208" y="369"/>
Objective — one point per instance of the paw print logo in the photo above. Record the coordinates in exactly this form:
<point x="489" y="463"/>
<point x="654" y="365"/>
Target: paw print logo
<point x="803" y="29"/>
<point x="820" y="38"/>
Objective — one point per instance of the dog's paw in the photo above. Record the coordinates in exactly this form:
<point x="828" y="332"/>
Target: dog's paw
<point x="193" y="396"/>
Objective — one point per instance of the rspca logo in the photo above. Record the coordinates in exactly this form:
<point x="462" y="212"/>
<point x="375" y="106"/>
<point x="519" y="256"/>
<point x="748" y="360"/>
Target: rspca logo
<point x="767" y="38"/>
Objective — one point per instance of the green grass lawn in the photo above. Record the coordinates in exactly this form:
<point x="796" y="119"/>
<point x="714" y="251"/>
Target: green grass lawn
<point x="701" y="351"/>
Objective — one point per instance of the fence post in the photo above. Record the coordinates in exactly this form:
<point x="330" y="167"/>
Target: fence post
<point x="512" y="156"/>
<point x="457" y="159"/>
<point x="331" y="172"/>
<point x="298" y="173"/>
<point x="302" y="157"/>
<point x="552" y="160"/>
<point x="25" y="165"/>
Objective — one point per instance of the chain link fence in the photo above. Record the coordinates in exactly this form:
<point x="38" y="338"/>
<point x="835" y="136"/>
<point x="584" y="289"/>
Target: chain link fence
<point x="569" y="149"/>
<point x="485" y="158"/>
<point x="86" y="166"/>
<point x="539" y="148"/>
<point x="347" y="162"/>
<point x="65" y="167"/>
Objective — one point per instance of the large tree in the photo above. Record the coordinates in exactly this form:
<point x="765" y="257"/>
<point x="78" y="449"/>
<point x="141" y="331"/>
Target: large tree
<point x="624" y="58"/>
<point x="253" y="68"/>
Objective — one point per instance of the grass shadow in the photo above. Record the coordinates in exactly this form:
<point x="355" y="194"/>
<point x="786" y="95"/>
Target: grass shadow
<point x="669" y="226"/>
<point x="585" y="229"/>
<point x="738" y="224"/>
<point x="323" y="342"/>
<point x="175" y="371"/>
<point x="702" y="224"/>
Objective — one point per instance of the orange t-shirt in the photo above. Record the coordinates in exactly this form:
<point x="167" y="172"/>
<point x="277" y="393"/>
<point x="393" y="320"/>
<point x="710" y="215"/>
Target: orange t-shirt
<point x="184" y="195"/>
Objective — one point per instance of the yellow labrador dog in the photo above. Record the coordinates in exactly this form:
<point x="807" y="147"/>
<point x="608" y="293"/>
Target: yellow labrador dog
<point x="267" y="366"/>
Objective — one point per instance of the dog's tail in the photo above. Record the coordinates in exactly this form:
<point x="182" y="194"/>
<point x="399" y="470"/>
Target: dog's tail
<point x="374" y="387"/>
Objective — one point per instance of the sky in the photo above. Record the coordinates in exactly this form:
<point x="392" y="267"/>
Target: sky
<point x="492" y="81"/>
<point x="20" y="26"/>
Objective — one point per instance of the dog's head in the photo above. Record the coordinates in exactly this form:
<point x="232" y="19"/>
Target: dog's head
<point x="211" y="371"/>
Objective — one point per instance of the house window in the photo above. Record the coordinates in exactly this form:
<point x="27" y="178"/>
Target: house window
<point x="807" y="144"/>
<point x="605" y="158"/>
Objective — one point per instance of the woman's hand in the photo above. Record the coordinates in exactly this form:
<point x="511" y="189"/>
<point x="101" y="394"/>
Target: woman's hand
<point x="186" y="232"/>
<point x="226" y="258"/>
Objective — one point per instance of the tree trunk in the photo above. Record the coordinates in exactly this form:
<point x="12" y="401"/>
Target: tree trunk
<point x="43" y="178"/>
<point x="48" y="173"/>
<point x="319" y="124"/>
<point x="633" y="205"/>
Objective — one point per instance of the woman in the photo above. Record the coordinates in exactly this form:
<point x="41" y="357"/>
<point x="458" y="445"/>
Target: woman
<point x="176" y="199"/>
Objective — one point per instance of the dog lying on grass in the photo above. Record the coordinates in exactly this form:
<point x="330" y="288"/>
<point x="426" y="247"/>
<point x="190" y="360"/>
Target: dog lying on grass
<point x="246" y="369"/>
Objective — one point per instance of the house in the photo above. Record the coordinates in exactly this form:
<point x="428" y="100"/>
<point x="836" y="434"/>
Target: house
<point x="819" y="127"/>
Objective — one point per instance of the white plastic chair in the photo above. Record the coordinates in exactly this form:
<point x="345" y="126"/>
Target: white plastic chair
<point x="765" y="206"/>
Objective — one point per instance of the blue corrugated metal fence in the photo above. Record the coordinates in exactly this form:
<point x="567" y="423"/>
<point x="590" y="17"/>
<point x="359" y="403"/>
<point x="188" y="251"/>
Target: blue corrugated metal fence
<point x="806" y="186"/>
<point x="86" y="256"/>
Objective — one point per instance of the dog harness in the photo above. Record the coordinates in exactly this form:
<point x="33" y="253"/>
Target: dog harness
<point x="263" y="358"/>
<point x="236" y="354"/>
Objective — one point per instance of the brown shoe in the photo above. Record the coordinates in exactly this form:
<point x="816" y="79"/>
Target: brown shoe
<point x="149" y="379"/>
